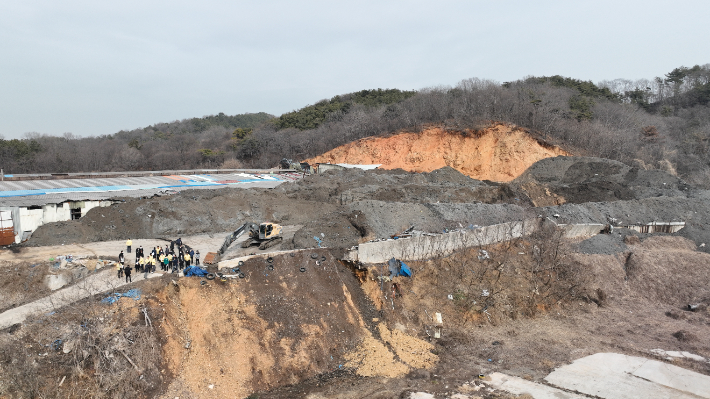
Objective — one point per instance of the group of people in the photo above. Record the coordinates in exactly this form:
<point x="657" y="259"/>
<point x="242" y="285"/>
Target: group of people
<point x="172" y="258"/>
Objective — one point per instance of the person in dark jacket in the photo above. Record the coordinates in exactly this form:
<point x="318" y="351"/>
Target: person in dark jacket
<point x="127" y="270"/>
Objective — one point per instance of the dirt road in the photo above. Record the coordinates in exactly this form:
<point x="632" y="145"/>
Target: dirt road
<point x="104" y="249"/>
<point x="103" y="281"/>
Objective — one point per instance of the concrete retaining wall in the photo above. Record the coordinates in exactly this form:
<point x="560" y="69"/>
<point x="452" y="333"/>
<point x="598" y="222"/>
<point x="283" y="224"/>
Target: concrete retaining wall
<point x="425" y="247"/>
<point x="658" y="227"/>
<point x="581" y="230"/>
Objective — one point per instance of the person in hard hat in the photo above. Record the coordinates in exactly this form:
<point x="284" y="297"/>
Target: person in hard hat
<point x="129" y="243"/>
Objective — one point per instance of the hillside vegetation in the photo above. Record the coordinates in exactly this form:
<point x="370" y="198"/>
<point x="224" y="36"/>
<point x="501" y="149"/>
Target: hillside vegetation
<point x="662" y="123"/>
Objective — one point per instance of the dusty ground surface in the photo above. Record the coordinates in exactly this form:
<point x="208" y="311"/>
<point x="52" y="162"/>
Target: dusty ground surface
<point x="644" y="309"/>
<point x="500" y="152"/>
<point x="529" y="306"/>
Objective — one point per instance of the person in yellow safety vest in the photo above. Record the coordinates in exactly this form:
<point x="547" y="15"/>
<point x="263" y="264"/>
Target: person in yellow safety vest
<point x="129" y="243"/>
<point x="141" y="262"/>
<point x="170" y="261"/>
<point x="119" y="269"/>
<point x="187" y="259"/>
<point x="160" y="259"/>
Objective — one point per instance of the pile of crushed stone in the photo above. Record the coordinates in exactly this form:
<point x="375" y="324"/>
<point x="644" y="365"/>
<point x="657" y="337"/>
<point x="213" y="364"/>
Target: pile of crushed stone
<point x="602" y="244"/>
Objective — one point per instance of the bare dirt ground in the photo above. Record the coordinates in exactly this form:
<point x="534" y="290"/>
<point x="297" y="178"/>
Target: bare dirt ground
<point x="308" y="326"/>
<point x="523" y="333"/>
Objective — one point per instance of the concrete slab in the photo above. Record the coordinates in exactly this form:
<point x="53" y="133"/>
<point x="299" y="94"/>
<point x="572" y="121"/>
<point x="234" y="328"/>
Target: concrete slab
<point x="519" y="386"/>
<point x="234" y="262"/>
<point x="669" y="355"/>
<point x="96" y="283"/>
<point x="617" y="376"/>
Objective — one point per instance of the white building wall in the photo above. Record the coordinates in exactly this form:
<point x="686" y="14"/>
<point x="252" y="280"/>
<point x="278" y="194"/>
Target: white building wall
<point x="28" y="220"/>
<point x="86" y="206"/>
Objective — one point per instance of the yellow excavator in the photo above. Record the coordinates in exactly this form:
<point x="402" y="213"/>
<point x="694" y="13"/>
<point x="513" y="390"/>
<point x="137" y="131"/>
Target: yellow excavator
<point x="266" y="235"/>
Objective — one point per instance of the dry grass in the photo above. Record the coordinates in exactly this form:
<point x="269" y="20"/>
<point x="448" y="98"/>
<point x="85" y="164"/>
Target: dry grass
<point x="87" y="350"/>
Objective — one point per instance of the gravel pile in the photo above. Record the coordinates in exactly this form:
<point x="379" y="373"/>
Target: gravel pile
<point x="604" y="244"/>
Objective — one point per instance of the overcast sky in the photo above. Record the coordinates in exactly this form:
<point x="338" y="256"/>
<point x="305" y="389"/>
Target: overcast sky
<point x="96" y="67"/>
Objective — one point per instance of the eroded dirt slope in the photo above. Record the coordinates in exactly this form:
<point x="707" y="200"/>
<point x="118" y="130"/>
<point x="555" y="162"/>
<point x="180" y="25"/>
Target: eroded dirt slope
<point x="278" y="326"/>
<point x="501" y="317"/>
<point x="499" y="153"/>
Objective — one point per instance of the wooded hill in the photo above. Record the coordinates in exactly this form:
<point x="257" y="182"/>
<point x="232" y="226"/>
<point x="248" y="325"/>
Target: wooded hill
<point x="658" y="123"/>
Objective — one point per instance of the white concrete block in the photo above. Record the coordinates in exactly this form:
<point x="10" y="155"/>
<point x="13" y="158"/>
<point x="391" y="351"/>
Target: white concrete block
<point x="617" y="376"/>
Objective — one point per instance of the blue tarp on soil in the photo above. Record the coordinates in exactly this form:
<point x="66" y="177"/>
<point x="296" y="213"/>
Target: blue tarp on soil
<point x="194" y="271"/>
<point x="134" y="293"/>
<point x="398" y="268"/>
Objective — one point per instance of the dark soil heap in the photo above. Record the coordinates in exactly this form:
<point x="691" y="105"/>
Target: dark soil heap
<point x="577" y="180"/>
<point x="340" y="209"/>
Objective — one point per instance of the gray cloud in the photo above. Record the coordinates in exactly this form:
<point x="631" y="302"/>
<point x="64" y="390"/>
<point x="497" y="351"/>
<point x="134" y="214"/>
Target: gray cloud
<point x="92" y="68"/>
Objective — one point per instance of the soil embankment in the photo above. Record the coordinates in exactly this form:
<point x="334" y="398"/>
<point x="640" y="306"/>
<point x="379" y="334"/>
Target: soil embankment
<point x="286" y="321"/>
<point x="498" y="153"/>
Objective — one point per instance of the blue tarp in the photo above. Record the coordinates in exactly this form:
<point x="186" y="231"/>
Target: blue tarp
<point x="194" y="271"/>
<point x="134" y="293"/>
<point x="404" y="270"/>
<point x="398" y="268"/>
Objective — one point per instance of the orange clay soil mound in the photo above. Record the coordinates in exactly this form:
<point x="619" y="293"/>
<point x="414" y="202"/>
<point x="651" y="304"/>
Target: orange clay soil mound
<point x="500" y="152"/>
<point x="283" y="323"/>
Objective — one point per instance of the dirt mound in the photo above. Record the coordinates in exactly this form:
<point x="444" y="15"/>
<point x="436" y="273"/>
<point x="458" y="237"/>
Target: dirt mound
<point x="607" y="244"/>
<point x="559" y="180"/>
<point x="668" y="269"/>
<point x="498" y="153"/>
<point x="185" y="213"/>
<point x="277" y="326"/>
<point x="346" y="186"/>
<point x="306" y="202"/>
